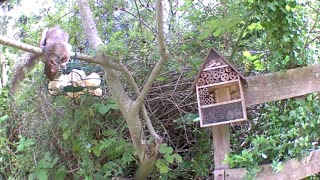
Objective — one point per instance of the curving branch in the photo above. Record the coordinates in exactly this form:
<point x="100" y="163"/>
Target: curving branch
<point x="37" y="50"/>
<point x="163" y="56"/>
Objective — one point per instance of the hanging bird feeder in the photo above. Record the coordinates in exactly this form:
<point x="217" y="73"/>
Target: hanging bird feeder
<point x="75" y="84"/>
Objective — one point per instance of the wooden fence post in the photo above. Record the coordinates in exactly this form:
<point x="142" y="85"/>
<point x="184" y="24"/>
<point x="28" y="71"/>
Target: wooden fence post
<point x="221" y="137"/>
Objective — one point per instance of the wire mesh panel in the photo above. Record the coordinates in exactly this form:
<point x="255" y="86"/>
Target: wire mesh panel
<point x="222" y="113"/>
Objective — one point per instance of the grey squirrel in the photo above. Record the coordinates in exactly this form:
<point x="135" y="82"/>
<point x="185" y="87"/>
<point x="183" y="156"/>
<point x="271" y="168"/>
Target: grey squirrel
<point x="57" y="50"/>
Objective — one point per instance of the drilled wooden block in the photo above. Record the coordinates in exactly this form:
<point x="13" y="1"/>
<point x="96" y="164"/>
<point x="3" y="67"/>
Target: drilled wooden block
<point x="224" y="77"/>
<point x="228" y="69"/>
<point x="222" y="70"/>
<point x="210" y="80"/>
<point x="216" y="74"/>
<point x="233" y="75"/>
<point x="204" y="74"/>
<point x="201" y="82"/>
<point x="210" y="72"/>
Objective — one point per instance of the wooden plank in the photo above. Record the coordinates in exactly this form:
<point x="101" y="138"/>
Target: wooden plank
<point x="282" y="85"/>
<point x="198" y="99"/>
<point x="219" y="174"/>
<point x="292" y="169"/>
<point x="220" y="84"/>
<point x="221" y="133"/>
<point x="221" y="103"/>
<point x="222" y="123"/>
<point x="243" y="102"/>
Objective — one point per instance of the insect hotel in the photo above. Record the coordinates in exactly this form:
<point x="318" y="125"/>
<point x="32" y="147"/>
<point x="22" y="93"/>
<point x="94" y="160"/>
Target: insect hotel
<point x="219" y="88"/>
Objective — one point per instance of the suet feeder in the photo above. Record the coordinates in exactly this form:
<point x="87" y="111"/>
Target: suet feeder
<point x="75" y="84"/>
<point x="219" y="88"/>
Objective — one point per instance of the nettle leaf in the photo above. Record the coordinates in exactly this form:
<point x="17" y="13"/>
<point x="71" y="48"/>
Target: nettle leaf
<point x="164" y="149"/>
<point x="42" y="174"/>
<point x="162" y="166"/>
<point x="24" y="143"/>
<point x="169" y="158"/>
<point x="96" y="150"/>
<point x="169" y="150"/>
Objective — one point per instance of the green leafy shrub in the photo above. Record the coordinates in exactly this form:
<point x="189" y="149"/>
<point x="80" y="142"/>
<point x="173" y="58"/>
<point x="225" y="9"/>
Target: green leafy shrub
<point x="282" y="130"/>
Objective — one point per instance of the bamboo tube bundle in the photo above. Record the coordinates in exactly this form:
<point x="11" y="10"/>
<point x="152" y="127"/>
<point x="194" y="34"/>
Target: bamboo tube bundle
<point x="206" y="94"/>
<point x="210" y="101"/>
<point x="204" y="101"/>
<point x="207" y="102"/>
<point x="216" y="74"/>
<point x="222" y="70"/>
<point x="227" y="69"/>
<point x="211" y="97"/>
<point x="233" y="75"/>
<point x="210" y="80"/>
<point x="205" y="89"/>
<point x="224" y="77"/>
<point x="202" y="97"/>
<point x="201" y="92"/>
<point x="203" y="74"/>
<point x="201" y="82"/>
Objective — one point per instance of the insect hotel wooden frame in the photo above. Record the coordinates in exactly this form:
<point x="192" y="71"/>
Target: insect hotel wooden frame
<point x="219" y="88"/>
<point x="258" y="89"/>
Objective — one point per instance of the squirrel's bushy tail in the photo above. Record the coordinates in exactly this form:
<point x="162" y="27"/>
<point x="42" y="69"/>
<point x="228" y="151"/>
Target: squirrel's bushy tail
<point x="23" y="69"/>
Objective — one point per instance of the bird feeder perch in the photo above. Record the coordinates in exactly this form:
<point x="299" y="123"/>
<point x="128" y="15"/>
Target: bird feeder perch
<point x="219" y="88"/>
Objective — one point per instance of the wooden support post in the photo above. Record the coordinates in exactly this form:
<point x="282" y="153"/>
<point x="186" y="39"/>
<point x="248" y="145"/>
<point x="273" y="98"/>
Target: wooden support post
<point x="221" y="137"/>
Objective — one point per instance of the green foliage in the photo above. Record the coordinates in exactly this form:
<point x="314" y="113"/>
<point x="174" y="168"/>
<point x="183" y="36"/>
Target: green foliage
<point x="50" y="136"/>
<point x="197" y="162"/>
<point x="103" y="109"/>
<point x="282" y="21"/>
<point x="4" y="94"/>
<point x="163" y="164"/>
<point x="46" y="168"/>
<point x="284" y="130"/>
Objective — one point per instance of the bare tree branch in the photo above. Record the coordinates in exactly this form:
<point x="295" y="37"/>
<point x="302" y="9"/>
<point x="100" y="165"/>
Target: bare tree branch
<point x="115" y="86"/>
<point x="163" y="56"/>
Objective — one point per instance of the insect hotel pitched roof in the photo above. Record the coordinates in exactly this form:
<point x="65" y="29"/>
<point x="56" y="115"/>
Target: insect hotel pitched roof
<point x="215" y="55"/>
